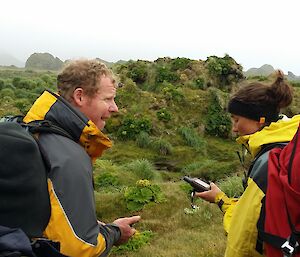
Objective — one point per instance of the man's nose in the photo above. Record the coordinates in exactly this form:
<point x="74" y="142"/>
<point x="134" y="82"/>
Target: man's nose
<point x="113" y="107"/>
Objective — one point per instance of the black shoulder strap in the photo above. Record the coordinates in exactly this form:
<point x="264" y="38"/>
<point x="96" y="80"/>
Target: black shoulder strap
<point x="264" y="149"/>
<point x="38" y="126"/>
<point x="45" y="126"/>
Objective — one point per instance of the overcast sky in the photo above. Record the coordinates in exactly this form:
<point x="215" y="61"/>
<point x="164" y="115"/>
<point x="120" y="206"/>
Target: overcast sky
<point x="253" y="32"/>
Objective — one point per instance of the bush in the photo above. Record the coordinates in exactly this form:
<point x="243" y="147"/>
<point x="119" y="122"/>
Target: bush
<point x="2" y="83"/>
<point x="224" y="70"/>
<point x="200" y="83"/>
<point x="259" y="78"/>
<point x="180" y="63"/>
<point x="138" y="240"/>
<point x="171" y="93"/>
<point x="295" y="83"/>
<point x="192" y="138"/>
<point x="232" y="186"/>
<point x="217" y="122"/>
<point x="137" y="71"/>
<point x="23" y="105"/>
<point x="7" y="92"/>
<point x="16" y="81"/>
<point x="163" y="115"/>
<point x="143" y="169"/>
<point x="23" y="83"/>
<point x="162" y="146"/>
<point x="131" y="127"/>
<point x="143" y="140"/>
<point x="106" y="179"/>
<point x="163" y="73"/>
<point x="142" y="193"/>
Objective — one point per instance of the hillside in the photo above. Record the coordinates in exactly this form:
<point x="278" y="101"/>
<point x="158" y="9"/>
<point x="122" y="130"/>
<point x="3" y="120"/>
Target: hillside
<point x="171" y="122"/>
<point x="266" y="70"/>
<point x="43" y="61"/>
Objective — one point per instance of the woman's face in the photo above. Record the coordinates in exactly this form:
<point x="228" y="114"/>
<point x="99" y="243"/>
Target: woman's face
<point x="244" y="126"/>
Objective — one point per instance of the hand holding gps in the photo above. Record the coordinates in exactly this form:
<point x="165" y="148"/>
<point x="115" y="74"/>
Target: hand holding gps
<point x="198" y="186"/>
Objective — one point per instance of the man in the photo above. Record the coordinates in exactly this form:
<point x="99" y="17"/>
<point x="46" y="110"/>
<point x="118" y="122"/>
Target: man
<point x="86" y="100"/>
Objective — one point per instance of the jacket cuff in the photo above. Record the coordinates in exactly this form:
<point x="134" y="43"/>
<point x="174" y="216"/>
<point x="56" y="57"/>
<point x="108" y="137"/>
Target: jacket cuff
<point x="112" y="234"/>
<point x="220" y="199"/>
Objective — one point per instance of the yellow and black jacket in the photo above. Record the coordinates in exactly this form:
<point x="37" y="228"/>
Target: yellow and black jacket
<point x="241" y="216"/>
<point x="73" y="220"/>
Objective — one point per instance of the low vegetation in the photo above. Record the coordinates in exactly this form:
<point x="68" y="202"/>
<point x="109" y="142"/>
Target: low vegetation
<point x="172" y="122"/>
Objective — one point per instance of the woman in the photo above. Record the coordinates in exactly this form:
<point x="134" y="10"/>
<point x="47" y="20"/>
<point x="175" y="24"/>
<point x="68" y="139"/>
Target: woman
<point x="255" y="116"/>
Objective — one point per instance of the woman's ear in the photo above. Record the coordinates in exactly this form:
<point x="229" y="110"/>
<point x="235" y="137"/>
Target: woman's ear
<point x="78" y="97"/>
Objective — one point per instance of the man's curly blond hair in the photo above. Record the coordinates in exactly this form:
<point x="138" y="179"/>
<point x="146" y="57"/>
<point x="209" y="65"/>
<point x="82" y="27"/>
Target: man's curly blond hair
<point x="84" y="74"/>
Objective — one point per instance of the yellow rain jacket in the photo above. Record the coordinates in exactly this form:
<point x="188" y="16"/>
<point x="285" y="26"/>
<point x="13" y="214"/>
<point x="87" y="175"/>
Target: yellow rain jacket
<point x="73" y="222"/>
<point x="242" y="215"/>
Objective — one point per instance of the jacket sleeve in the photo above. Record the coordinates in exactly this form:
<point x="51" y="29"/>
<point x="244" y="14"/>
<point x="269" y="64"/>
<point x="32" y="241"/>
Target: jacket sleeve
<point x="112" y="234"/>
<point x="227" y="206"/>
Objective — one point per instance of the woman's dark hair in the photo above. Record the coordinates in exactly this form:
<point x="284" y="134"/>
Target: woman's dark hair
<point x="257" y="100"/>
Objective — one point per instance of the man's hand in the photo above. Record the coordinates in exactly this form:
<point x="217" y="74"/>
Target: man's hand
<point x="209" y="195"/>
<point x="125" y="227"/>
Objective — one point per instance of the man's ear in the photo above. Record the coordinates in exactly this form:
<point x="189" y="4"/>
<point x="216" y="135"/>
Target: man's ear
<point x="78" y="97"/>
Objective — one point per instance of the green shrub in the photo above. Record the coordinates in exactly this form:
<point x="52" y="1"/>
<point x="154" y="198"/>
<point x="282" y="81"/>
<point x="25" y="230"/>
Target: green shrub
<point x="48" y="79"/>
<point x="293" y="83"/>
<point x="171" y="93"/>
<point x="143" y="169"/>
<point x="16" y="81"/>
<point x="180" y="63"/>
<point x="106" y="179"/>
<point x="143" y="140"/>
<point x="7" y="92"/>
<point x="163" y="115"/>
<point x="131" y="127"/>
<point x="23" y="105"/>
<point x="162" y="146"/>
<point x="192" y="139"/>
<point x="137" y="71"/>
<point x="200" y="82"/>
<point x="232" y="186"/>
<point x="259" y="78"/>
<point x="2" y="83"/>
<point x="142" y="193"/>
<point x="136" y="242"/>
<point x="24" y="83"/>
<point x="164" y="73"/>
<point x="218" y="122"/>
<point x="224" y="70"/>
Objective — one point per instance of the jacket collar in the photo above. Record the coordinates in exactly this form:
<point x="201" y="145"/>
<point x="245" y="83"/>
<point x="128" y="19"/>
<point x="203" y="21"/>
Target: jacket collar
<point x="276" y="132"/>
<point x="52" y="107"/>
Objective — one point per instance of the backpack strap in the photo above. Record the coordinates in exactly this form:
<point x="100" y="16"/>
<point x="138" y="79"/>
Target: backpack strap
<point x="289" y="246"/>
<point x="45" y="126"/>
<point x="265" y="148"/>
<point x="38" y="126"/>
<point x="44" y="247"/>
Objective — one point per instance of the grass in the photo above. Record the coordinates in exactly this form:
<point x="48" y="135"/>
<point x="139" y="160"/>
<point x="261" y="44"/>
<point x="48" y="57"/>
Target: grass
<point x="175" y="233"/>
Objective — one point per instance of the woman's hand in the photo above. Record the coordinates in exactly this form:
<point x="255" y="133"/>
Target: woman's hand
<point x="209" y="195"/>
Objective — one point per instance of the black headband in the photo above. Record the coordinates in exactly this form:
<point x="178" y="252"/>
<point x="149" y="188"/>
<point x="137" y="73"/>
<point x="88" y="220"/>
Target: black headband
<point x="253" y="111"/>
